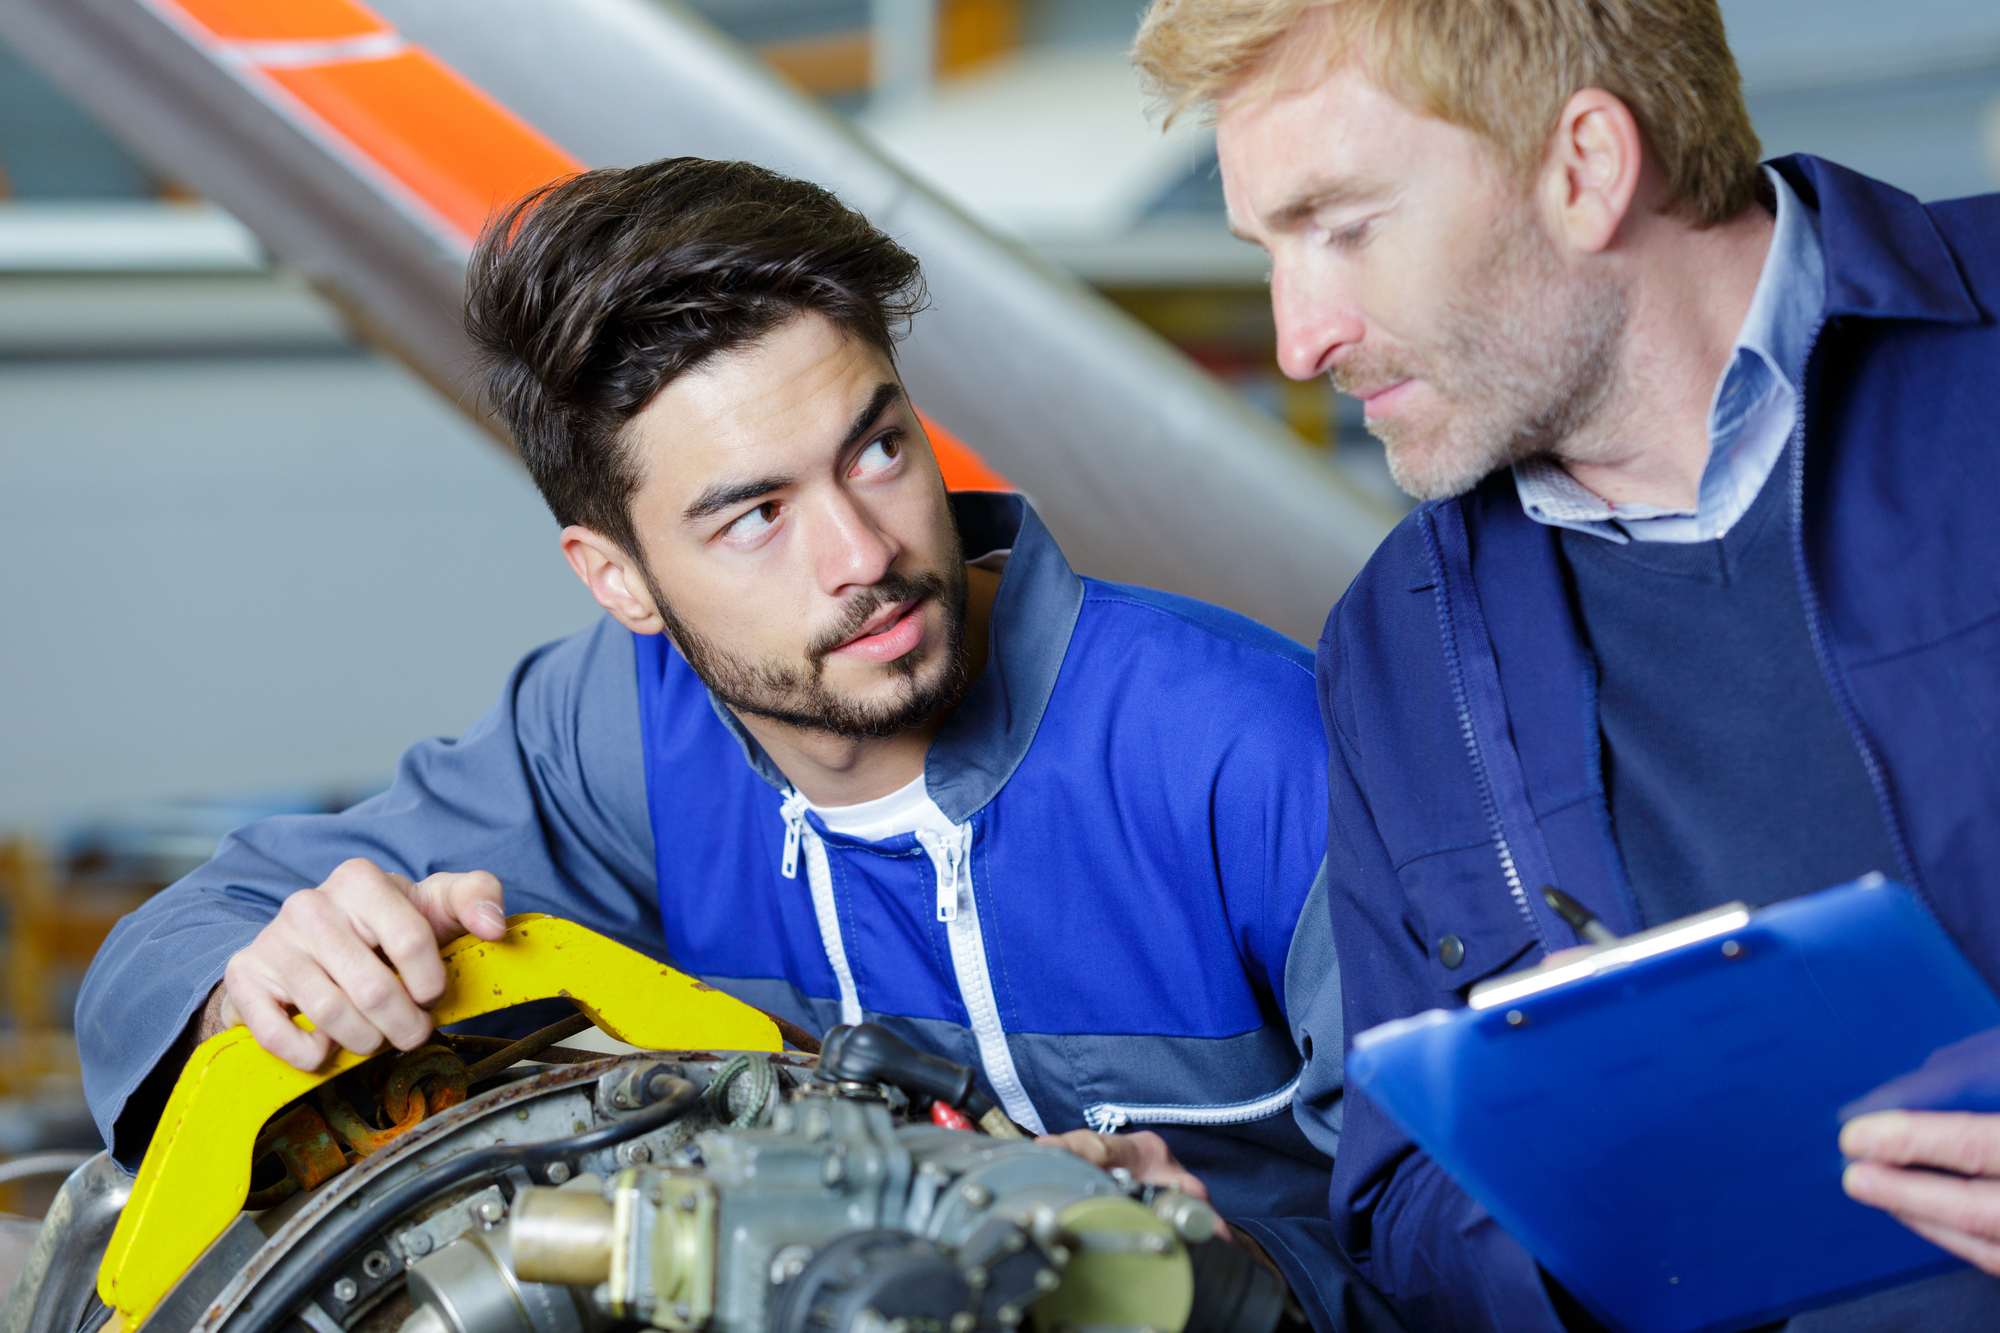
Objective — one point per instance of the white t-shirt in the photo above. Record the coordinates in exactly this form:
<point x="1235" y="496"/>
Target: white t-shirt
<point x="904" y="810"/>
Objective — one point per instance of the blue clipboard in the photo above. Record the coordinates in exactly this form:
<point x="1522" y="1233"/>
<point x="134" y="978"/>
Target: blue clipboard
<point x="1658" y="1122"/>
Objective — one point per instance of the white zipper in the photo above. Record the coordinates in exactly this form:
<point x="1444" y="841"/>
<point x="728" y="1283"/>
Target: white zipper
<point x="1105" y="1117"/>
<point x="958" y="909"/>
<point x="799" y="836"/>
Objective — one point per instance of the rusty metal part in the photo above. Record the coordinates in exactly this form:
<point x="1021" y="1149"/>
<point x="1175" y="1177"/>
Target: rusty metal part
<point x="354" y="1130"/>
<point x="303" y="1144"/>
<point x="795" y="1036"/>
<point x="471" y="1048"/>
<point x="529" y="1045"/>
<point x="443" y="1073"/>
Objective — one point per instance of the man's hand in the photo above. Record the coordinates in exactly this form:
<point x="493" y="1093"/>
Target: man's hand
<point x="1145" y="1154"/>
<point x="358" y="956"/>
<point x="1958" y="1212"/>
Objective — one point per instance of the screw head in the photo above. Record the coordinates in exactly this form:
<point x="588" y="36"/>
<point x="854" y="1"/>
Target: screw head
<point x="416" y="1242"/>
<point x="345" y="1290"/>
<point x="521" y="1114"/>
<point x="687" y="1203"/>
<point x="630" y="1153"/>
<point x="1730" y="948"/>
<point x="975" y="1194"/>
<point x="491" y="1211"/>
<point x="1046" y="1279"/>
<point x="377" y="1264"/>
<point x="1515" y="1018"/>
<point x="788" y="1263"/>
<point x="557" y="1172"/>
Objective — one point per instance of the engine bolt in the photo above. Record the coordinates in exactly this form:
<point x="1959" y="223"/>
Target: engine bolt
<point x="630" y="1153"/>
<point x="345" y="1290"/>
<point x="416" y="1242"/>
<point x="557" y="1172"/>
<point x="1008" y="1315"/>
<point x="1046" y="1279"/>
<point x="377" y="1264"/>
<point x="687" y="1203"/>
<point x="964" y="1322"/>
<point x="491" y="1211"/>
<point x="521" y="1114"/>
<point x="788" y="1263"/>
<point x="975" y="1194"/>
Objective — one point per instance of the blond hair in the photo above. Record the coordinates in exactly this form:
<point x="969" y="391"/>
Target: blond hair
<point x="1502" y="69"/>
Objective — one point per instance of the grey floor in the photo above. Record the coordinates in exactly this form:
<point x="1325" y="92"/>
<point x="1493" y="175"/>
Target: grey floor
<point x="234" y="574"/>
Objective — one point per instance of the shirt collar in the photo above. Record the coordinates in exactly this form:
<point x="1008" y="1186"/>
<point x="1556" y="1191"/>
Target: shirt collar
<point x="1763" y="379"/>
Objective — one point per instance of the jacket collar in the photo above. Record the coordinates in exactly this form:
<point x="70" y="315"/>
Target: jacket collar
<point x="1884" y="256"/>
<point x="988" y="736"/>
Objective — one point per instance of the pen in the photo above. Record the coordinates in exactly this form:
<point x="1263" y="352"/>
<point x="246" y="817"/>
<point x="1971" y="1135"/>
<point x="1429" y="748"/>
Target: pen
<point x="1578" y="916"/>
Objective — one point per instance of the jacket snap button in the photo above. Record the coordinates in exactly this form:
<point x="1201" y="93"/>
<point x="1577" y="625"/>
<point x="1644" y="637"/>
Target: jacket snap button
<point x="1451" y="951"/>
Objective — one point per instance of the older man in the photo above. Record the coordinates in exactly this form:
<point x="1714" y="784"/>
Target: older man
<point x="1705" y="604"/>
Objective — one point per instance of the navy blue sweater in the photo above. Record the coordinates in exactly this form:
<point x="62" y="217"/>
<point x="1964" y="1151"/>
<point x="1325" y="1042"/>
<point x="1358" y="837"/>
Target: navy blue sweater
<point x="1729" y="773"/>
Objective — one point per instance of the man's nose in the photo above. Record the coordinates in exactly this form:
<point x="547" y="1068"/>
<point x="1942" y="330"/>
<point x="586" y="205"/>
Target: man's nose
<point x="852" y="548"/>
<point x="1315" y="321"/>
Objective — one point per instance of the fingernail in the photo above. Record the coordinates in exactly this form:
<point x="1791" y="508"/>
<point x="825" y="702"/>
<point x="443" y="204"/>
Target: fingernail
<point x="1864" y="1134"/>
<point x="489" y="917"/>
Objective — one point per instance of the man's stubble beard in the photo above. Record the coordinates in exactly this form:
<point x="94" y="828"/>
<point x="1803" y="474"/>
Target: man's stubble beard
<point x="1525" y="365"/>
<point x="795" y="693"/>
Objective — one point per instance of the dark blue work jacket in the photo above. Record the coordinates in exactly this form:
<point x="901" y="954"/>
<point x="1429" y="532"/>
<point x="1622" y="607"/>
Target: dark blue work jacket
<point x="1461" y="701"/>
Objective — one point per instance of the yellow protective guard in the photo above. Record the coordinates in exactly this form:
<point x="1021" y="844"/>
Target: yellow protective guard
<point x="197" y="1170"/>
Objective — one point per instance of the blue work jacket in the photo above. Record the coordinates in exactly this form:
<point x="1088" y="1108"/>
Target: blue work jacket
<point x="1137" y="780"/>
<point x="1460" y="701"/>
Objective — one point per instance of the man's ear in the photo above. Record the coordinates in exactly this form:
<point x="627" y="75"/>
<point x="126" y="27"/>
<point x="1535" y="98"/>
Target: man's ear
<point x="613" y="579"/>
<point x="1595" y="163"/>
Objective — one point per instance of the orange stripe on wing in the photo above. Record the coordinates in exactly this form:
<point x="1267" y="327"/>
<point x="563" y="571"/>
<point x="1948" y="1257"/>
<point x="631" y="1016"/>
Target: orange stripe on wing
<point x="285" y="20"/>
<point x="425" y="124"/>
<point x="963" y="469"/>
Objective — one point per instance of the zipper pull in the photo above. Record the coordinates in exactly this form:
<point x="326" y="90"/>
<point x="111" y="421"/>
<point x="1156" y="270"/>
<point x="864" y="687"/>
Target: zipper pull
<point x="944" y="863"/>
<point x="794" y="811"/>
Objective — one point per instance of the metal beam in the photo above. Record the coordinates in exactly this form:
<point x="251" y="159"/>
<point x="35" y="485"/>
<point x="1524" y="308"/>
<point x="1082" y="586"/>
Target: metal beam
<point x="1145" y="468"/>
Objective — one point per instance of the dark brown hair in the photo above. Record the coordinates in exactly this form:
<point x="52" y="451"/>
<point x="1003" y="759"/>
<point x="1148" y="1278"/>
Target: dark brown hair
<point x="589" y="296"/>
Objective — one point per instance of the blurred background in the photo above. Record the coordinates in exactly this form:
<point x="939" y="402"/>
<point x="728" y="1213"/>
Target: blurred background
<point x="246" y="558"/>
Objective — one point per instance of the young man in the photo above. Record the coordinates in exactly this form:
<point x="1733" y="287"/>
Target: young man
<point x="1705" y="604"/>
<point x="845" y="747"/>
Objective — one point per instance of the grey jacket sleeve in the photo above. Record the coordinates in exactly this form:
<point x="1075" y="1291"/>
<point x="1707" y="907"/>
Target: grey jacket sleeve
<point x="547" y="791"/>
<point x="1312" y="1000"/>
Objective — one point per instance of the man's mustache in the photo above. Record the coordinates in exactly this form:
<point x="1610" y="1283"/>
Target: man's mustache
<point x="893" y="588"/>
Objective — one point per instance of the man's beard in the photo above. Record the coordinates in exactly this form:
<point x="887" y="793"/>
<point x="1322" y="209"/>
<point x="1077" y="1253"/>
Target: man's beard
<point x="795" y="693"/>
<point x="1525" y="363"/>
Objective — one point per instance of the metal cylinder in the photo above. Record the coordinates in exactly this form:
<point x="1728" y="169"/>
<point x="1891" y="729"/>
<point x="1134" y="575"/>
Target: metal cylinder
<point x="562" y="1236"/>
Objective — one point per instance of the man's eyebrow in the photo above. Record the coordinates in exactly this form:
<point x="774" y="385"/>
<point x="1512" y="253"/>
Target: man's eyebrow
<point x="1332" y="194"/>
<point x="887" y="392"/>
<point x="725" y="494"/>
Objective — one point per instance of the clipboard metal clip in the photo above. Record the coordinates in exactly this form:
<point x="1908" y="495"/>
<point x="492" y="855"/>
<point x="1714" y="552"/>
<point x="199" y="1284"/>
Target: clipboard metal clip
<point x="1605" y="957"/>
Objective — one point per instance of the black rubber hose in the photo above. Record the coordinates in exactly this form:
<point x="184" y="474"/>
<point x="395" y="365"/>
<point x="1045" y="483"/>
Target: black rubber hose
<point x="268" y="1307"/>
<point x="870" y="1053"/>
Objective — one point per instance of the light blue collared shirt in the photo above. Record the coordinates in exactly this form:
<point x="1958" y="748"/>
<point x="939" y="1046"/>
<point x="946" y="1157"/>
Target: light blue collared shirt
<point x="1750" y="419"/>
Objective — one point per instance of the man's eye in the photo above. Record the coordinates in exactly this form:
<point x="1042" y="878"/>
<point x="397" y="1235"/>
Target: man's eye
<point x="754" y="522"/>
<point x="876" y="456"/>
<point x="1349" y="237"/>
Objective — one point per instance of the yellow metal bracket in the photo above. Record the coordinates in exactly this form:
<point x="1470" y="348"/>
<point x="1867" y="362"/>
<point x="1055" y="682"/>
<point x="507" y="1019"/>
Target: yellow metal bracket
<point x="197" y="1171"/>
